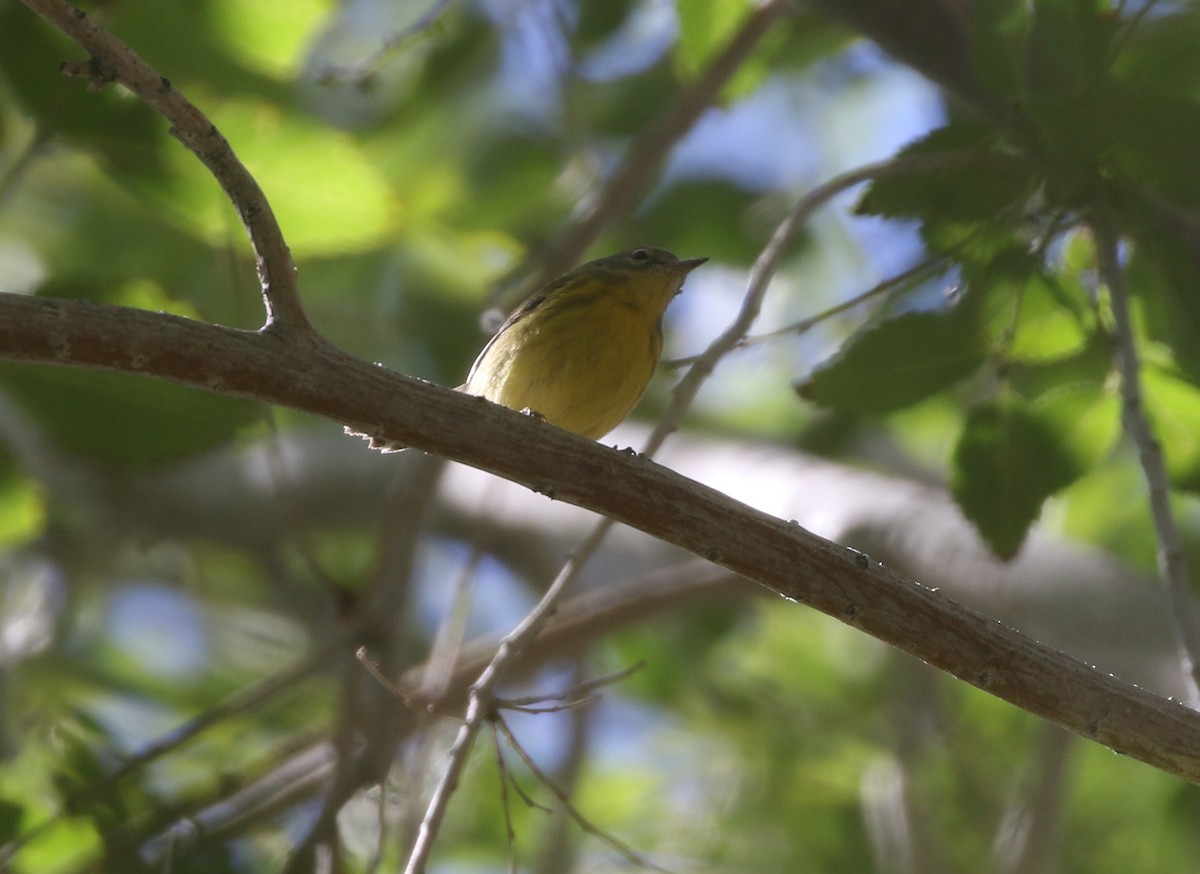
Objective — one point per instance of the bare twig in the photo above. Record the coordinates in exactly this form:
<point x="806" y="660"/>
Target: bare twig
<point x="1172" y="562"/>
<point x="435" y="679"/>
<point x="626" y="851"/>
<point x="807" y="324"/>
<point x="574" y="695"/>
<point x="530" y="802"/>
<point x="111" y="61"/>
<point x="582" y="619"/>
<point x="307" y="770"/>
<point x="382" y="821"/>
<point x="375" y="671"/>
<point x="481" y="704"/>
<point x="362" y="71"/>
<point x="506" y="779"/>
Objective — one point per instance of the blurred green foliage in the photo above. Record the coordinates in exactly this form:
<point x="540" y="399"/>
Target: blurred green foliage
<point x="413" y="182"/>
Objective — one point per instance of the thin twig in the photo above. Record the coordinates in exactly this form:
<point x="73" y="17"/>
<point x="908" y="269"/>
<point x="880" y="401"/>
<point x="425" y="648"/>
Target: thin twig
<point x="480" y="704"/>
<point x="112" y="60"/>
<point x="361" y="72"/>
<point x="373" y="668"/>
<point x="626" y="851"/>
<point x="506" y="778"/>
<point x="575" y="694"/>
<point x="419" y="758"/>
<point x="530" y="802"/>
<point x="1172" y="561"/>
<point x="764" y="267"/>
<point x="804" y="325"/>
<point x="448" y="640"/>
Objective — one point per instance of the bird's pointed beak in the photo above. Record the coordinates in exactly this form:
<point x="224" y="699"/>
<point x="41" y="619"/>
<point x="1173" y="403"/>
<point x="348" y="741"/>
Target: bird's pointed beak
<point x="683" y="268"/>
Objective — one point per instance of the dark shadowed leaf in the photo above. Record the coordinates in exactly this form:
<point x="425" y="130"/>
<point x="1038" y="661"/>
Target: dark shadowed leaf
<point x="896" y="363"/>
<point x="1007" y="462"/>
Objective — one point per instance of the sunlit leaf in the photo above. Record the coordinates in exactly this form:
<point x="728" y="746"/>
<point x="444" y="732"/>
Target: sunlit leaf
<point x="1173" y="406"/>
<point x="326" y="195"/>
<point x="704" y="27"/>
<point x="1165" y="280"/>
<point x="270" y="36"/>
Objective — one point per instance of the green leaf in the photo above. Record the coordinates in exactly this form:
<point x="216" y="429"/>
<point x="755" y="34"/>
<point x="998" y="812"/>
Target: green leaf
<point x="898" y="362"/>
<point x="1173" y="407"/>
<point x="1008" y="460"/>
<point x="124" y="418"/>
<point x="66" y="843"/>
<point x="1150" y="137"/>
<point x="126" y="134"/>
<point x="1160" y="53"/>
<point x="999" y="40"/>
<point x="270" y="37"/>
<point x="1089" y="365"/>
<point x="1086" y="416"/>
<point x="1072" y="96"/>
<point x="1165" y="281"/>
<point x="325" y="192"/>
<point x="10" y="820"/>
<point x="1041" y="316"/>
<point x="22" y="510"/>
<point x="1070" y="45"/>
<point x="704" y="27"/>
<point x="956" y="191"/>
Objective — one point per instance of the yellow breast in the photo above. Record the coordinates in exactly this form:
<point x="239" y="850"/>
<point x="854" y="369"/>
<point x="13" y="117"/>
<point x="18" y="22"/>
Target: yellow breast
<point x="583" y="367"/>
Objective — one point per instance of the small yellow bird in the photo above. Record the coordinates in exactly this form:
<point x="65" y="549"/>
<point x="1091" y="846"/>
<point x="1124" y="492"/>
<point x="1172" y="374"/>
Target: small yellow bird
<point x="580" y="351"/>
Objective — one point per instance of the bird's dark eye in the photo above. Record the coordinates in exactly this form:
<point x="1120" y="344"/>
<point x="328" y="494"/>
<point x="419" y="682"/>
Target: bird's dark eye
<point x="639" y="255"/>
